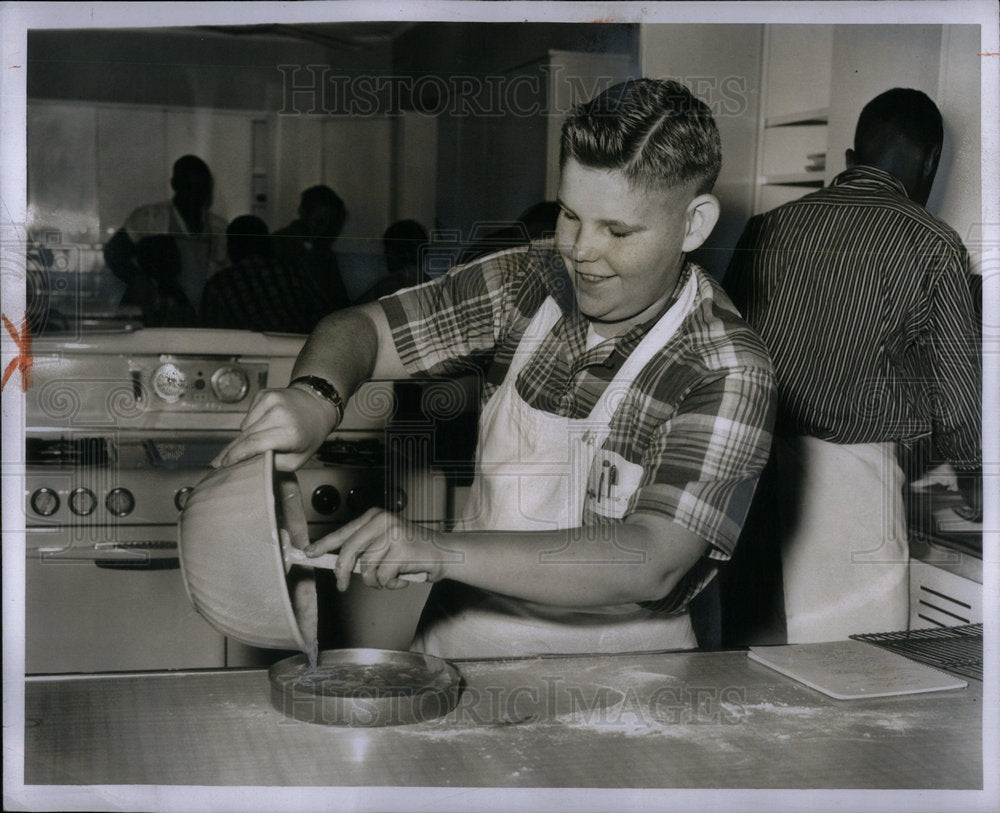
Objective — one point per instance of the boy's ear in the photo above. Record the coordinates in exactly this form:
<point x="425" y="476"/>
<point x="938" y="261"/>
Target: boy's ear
<point x="702" y="215"/>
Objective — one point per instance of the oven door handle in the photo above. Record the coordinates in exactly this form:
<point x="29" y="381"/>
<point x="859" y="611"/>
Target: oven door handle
<point x="158" y="563"/>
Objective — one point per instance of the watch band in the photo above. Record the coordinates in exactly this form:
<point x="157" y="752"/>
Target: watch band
<point x="324" y="389"/>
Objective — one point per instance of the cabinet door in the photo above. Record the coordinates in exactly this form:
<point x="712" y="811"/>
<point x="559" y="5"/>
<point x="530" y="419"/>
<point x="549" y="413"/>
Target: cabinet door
<point x="62" y="172"/>
<point x="132" y="167"/>
<point x="357" y="164"/>
<point x="797" y="70"/>
<point x="296" y="164"/>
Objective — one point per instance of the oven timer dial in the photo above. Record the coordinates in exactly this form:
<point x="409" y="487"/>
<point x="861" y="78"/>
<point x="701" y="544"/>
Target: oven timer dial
<point x="230" y="384"/>
<point x="169" y="382"/>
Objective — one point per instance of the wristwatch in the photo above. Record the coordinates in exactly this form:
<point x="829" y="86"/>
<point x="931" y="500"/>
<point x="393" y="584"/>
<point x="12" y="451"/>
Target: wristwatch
<point x="324" y="389"/>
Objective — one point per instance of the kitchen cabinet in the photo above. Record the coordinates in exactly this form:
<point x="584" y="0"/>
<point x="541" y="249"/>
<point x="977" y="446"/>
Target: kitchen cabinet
<point x="490" y="168"/>
<point x="792" y="140"/>
<point x="817" y="78"/>
<point x="109" y="159"/>
<point x="62" y="173"/>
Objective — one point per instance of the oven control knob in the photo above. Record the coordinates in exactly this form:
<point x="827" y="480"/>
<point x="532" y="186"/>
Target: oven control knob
<point x="169" y="382"/>
<point x="325" y="499"/>
<point x="362" y="498"/>
<point x="181" y="497"/>
<point x="395" y="500"/>
<point x="120" y="502"/>
<point x="45" y="502"/>
<point x="82" y="502"/>
<point x="230" y="384"/>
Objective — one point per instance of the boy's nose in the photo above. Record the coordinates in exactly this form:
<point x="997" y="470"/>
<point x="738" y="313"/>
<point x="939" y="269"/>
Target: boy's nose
<point x="584" y="248"/>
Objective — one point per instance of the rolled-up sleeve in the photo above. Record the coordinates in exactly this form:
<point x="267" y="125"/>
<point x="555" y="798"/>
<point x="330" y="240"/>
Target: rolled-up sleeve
<point x="703" y="465"/>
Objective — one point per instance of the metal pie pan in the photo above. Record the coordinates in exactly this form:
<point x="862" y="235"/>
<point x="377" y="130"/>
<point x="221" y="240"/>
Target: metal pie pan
<point x="364" y="687"/>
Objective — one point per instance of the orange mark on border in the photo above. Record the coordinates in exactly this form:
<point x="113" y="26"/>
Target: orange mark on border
<point x="23" y="360"/>
<point x="605" y="20"/>
<point x="990" y="53"/>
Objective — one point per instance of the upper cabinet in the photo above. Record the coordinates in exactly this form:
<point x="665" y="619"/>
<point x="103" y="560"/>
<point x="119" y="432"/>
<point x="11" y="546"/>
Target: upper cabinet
<point x="797" y="65"/>
<point x="816" y="79"/>
<point x="792" y="144"/>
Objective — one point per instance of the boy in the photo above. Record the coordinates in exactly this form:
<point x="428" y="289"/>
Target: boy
<point x="626" y="407"/>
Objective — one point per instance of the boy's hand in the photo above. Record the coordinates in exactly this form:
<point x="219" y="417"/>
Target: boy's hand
<point x="291" y="422"/>
<point x="384" y="545"/>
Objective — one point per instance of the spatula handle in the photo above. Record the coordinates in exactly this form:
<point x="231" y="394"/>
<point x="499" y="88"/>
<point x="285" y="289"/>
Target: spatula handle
<point x="328" y="561"/>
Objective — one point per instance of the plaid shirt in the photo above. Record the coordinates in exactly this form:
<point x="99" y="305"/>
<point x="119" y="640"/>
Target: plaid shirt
<point x="262" y="295"/>
<point x="697" y="419"/>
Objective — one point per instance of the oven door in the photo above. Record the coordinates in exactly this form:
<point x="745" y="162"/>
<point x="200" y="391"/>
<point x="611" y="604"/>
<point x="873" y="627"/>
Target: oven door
<point x="121" y="609"/>
<point x="104" y="590"/>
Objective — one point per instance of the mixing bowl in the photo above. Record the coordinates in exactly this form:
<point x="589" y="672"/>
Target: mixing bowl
<point x="237" y="531"/>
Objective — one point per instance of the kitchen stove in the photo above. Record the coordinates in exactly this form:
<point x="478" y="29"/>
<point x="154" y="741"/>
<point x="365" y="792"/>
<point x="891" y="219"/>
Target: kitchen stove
<point x="119" y="429"/>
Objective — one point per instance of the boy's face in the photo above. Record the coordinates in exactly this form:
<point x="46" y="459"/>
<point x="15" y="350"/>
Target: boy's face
<point x="623" y="245"/>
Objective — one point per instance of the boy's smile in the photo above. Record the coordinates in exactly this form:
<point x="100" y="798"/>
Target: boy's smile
<point x="622" y="244"/>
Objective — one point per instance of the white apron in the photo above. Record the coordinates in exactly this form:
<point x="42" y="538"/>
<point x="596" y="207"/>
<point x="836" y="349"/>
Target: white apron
<point x="533" y="471"/>
<point x="844" y="550"/>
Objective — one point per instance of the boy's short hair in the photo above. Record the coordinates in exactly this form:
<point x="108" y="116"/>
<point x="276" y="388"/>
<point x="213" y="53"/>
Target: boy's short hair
<point x="899" y="114"/>
<point x="654" y="131"/>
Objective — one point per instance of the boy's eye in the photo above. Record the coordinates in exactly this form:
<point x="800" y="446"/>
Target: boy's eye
<point x="619" y="232"/>
<point x="567" y="215"/>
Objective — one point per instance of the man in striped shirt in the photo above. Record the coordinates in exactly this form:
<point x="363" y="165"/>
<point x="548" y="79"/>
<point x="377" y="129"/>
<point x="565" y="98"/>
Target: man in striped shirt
<point x="626" y="410"/>
<point x="863" y="300"/>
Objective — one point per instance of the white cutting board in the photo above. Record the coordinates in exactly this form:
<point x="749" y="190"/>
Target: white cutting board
<point x="848" y="670"/>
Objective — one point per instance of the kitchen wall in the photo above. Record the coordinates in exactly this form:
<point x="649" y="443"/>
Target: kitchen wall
<point x="943" y="62"/>
<point x="110" y="110"/>
<point x="832" y="71"/>
<point x="492" y="91"/>
<point x="721" y="64"/>
<point x="183" y="67"/>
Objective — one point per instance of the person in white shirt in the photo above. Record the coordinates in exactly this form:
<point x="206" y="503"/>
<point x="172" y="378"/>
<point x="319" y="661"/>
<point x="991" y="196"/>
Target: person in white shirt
<point x="199" y="234"/>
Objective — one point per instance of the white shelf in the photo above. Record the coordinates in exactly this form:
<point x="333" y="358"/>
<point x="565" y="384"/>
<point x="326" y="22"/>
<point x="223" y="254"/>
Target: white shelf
<point x="795" y="179"/>
<point x="820" y="115"/>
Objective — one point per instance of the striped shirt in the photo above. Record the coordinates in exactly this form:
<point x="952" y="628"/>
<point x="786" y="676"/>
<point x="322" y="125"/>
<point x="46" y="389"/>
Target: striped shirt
<point x="697" y="419"/>
<point x="863" y="300"/>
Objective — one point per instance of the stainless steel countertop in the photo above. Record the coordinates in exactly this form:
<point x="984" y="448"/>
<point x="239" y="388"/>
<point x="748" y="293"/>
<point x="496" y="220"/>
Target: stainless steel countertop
<point x="674" y="720"/>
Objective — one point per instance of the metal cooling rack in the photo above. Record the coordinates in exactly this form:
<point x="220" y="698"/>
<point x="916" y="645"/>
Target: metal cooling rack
<point x="958" y="650"/>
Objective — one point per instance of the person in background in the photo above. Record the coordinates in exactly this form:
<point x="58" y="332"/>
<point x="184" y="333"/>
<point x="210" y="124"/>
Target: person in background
<point x="863" y="300"/>
<point x="257" y="292"/>
<point x="156" y="288"/>
<point x="626" y="409"/>
<point x="403" y="243"/>
<point x="187" y="218"/>
<point x="308" y="243"/>
<point x="533" y="223"/>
